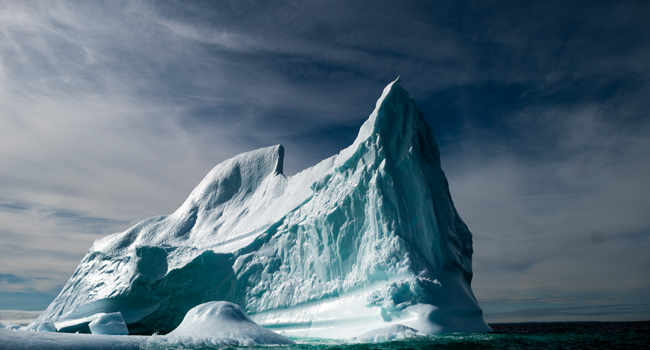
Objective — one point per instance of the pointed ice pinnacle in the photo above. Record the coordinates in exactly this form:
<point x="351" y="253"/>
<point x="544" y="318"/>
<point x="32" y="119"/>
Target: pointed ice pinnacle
<point x="365" y="239"/>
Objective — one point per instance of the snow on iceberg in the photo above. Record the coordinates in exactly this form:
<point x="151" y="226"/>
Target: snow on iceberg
<point x="363" y="240"/>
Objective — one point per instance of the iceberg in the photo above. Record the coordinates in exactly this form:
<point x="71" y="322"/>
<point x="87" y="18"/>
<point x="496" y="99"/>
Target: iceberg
<point x="366" y="239"/>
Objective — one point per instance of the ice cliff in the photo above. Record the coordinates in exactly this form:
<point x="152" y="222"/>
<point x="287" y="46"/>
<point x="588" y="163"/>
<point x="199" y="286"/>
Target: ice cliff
<point x="364" y="240"/>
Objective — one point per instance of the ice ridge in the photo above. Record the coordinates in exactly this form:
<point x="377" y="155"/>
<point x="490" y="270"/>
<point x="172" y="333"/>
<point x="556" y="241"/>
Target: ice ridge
<point x="363" y="240"/>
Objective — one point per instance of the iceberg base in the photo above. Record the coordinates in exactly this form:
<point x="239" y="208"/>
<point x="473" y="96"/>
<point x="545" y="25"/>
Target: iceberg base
<point x="350" y="316"/>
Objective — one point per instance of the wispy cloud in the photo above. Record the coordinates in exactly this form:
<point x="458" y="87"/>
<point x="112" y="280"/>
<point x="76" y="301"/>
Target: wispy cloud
<point x="9" y="278"/>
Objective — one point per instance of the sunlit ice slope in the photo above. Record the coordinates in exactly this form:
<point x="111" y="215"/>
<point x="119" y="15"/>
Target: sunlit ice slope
<point x="365" y="239"/>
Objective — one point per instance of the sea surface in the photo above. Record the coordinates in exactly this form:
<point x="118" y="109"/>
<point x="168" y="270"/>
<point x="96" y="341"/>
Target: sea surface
<point x="512" y="336"/>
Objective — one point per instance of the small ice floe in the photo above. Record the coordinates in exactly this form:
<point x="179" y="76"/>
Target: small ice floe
<point x="45" y="325"/>
<point x="221" y="323"/>
<point x="394" y="332"/>
<point x="112" y="324"/>
<point x="12" y="326"/>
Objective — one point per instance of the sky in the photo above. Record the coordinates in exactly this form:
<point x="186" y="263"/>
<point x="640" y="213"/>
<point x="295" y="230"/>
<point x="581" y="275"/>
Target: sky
<point x="112" y="112"/>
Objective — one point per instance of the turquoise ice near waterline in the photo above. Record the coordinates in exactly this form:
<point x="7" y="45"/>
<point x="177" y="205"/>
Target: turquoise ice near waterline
<point x="367" y="239"/>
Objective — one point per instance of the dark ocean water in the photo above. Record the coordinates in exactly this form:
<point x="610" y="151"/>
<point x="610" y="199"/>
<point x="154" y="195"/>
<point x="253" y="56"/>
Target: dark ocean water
<point x="579" y="335"/>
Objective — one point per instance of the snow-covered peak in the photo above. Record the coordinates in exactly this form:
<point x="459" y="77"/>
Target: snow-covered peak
<point x="235" y="178"/>
<point x="398" y="127"/>
<point x="370" y="126"/>
<point x="234" y="196"/>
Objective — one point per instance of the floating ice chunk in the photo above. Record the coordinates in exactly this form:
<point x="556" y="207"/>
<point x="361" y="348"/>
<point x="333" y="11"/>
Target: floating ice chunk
<point x="112" y="323"/>
<point x="11" y="325"/>
<point x="394" y="332"/>
<point x="222" y="323"/>
<point x="45" y="325"/>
